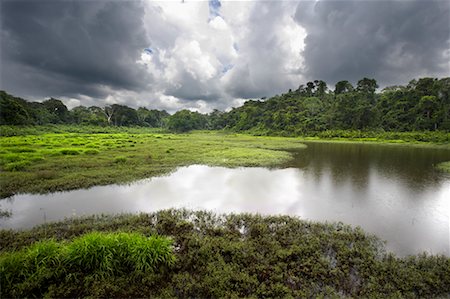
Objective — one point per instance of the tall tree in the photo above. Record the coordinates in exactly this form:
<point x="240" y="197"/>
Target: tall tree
<point x="342" y="87"/>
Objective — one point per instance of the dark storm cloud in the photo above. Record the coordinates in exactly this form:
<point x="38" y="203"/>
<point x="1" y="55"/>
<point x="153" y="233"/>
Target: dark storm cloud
<point x="392" y="41"/>
<point x="65" y="48"/>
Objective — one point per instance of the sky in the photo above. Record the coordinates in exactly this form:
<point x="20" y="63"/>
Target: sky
<point x="204" y="55"/>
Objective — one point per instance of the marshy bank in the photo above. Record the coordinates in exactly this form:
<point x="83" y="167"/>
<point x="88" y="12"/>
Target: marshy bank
<point x="232" y="255"/>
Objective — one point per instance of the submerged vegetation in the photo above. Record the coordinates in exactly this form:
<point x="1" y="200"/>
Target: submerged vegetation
<point x="236" y="255"/>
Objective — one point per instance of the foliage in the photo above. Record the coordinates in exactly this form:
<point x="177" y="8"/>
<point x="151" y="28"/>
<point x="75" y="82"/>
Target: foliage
<point x="422" y="105"/>
<point x="185" y="120"/>
<point x="35" y="269"/>
<point x="235" y="255"/>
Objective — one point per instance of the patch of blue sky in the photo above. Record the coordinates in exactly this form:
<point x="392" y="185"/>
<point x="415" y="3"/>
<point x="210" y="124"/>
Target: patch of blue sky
<point x="227" y="67"/>
<point x="214" y="8"/>
<point x="236" y="47"/>
<point x="148" y="50"/>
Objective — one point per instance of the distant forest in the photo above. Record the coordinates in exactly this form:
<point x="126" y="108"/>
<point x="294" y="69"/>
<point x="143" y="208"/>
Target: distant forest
<point x="422" y="105"/>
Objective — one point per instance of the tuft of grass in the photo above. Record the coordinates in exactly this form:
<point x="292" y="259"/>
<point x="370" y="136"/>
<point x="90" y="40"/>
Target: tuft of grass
<point x="119" y="253"/>
<point x="32" y="270"/>
<point x="69" y="151"/>
<point x="120" y="159"/>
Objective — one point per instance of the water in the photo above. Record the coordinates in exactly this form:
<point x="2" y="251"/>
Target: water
<point x="391" y="191"/>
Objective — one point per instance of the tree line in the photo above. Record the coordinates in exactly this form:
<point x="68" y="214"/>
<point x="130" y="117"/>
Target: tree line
<point x="422" y="105"/>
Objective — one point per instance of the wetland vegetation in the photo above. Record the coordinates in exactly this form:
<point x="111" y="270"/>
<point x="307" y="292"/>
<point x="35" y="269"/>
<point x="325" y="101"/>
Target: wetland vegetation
<point x="234" y="255"/>
<point x="63" y="161"/>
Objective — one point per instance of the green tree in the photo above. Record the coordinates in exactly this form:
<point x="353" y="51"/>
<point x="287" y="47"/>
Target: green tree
<point x="58" y="111"/>
<point x="13" y="111"/>
<point x="343" y="87"/>
<point x="428" y="106"/>
<point x="367" y="86"/>
<point x="124" y="116"/>
<point x="185" y="120"/>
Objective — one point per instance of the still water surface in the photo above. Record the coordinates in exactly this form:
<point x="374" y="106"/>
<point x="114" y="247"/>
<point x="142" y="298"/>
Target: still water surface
<point x="391" y="191"/>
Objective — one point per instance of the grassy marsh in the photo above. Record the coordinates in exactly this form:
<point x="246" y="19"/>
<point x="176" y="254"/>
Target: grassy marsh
<point x="237" y="255"/>
<point x="42" y="163"/>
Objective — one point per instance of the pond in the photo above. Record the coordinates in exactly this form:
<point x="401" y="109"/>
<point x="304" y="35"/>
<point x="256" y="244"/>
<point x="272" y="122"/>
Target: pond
<point x="392" y="191"/>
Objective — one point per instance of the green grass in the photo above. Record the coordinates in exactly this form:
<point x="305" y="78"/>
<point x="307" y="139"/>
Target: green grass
<point x="81" y="160"/>
<point x="35" y="269"/>
<point x="234" y="255"/>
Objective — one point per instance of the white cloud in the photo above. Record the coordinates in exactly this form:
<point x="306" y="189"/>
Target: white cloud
<point x="251" y="49"/>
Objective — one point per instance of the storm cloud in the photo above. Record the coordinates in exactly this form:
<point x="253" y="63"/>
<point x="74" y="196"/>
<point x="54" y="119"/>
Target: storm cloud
<point x="205" y="55"/>
<point x="392" y="41"/>
<point x="54" y="48"/>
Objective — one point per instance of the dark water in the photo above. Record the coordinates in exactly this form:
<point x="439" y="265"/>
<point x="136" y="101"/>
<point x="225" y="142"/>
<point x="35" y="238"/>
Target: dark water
<point x="391" y="191"/>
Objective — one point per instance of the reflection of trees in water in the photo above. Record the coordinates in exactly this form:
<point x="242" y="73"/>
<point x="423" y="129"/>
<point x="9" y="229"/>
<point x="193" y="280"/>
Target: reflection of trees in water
<point x="410" y="166"/>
